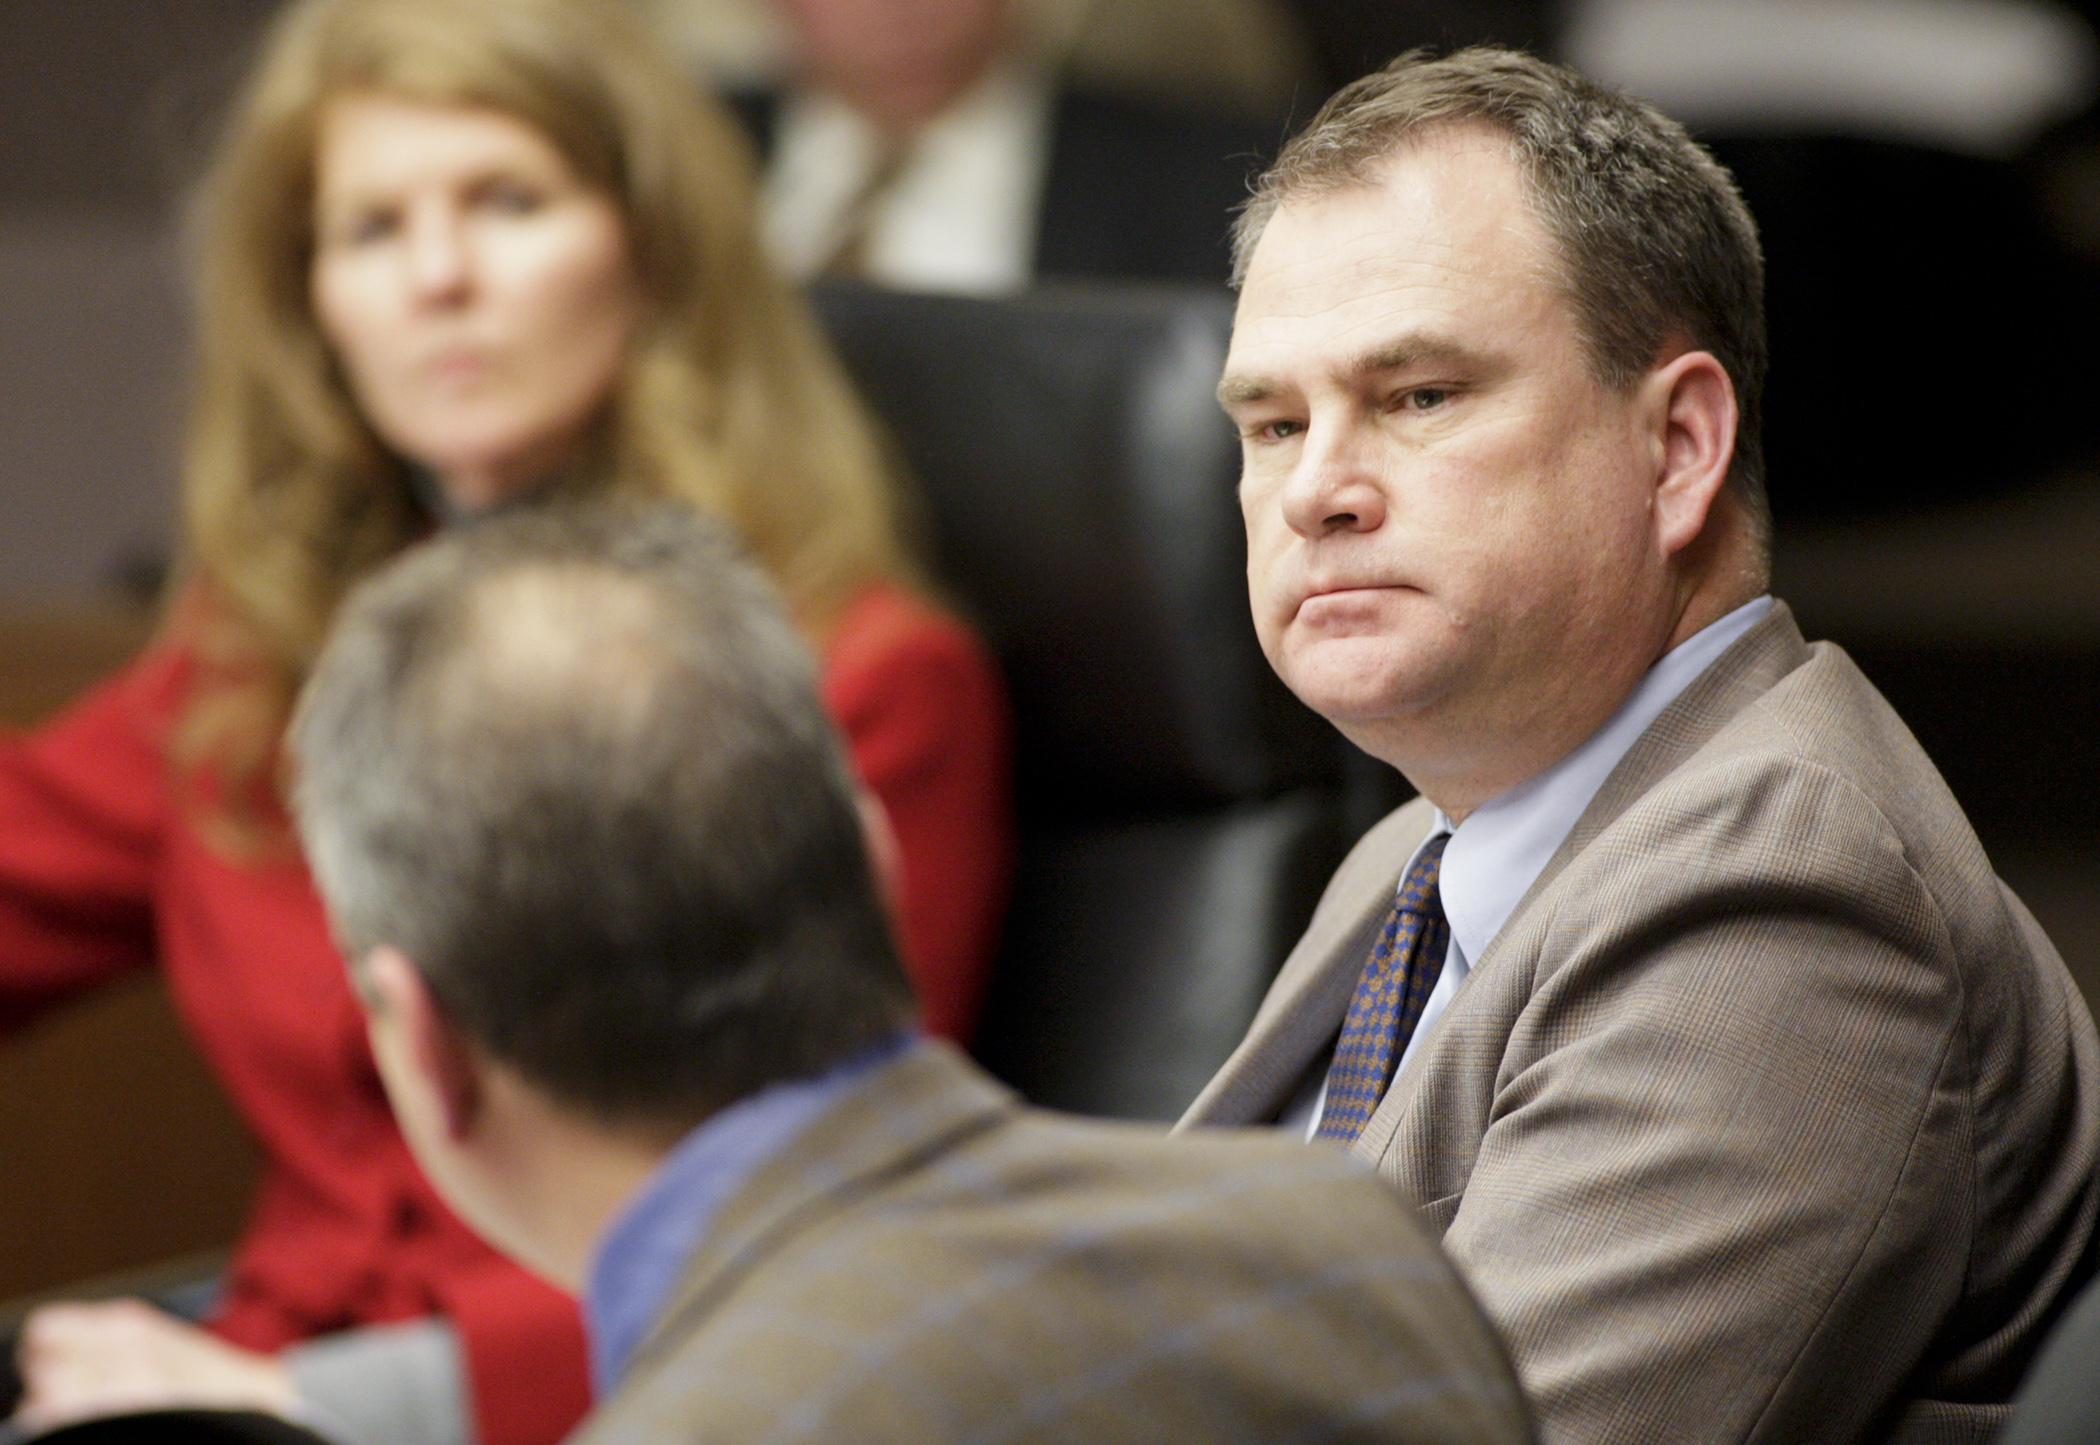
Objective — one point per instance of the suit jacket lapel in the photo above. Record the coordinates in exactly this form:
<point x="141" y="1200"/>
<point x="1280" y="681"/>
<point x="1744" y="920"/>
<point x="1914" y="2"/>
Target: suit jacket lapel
<point x="1746" y="671"/>
<point x="911" y="1109"/>
<point x="1303" y="1009"/>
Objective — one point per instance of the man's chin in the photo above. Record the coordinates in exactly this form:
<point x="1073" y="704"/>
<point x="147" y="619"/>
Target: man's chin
<point x="1356" y="682"/>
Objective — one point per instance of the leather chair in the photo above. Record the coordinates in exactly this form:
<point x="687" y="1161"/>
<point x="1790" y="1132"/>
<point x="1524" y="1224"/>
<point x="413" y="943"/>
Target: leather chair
<point x="2059" y="1403"/>
<point x="1179" y="811"/>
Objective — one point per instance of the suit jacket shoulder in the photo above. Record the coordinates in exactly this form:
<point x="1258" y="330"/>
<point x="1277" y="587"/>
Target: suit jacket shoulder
<point x="1140" y="190"/>
<point x="931" y="1262"/>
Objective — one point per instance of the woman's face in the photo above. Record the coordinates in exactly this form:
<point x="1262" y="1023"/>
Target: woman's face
<point x="478" y="294"/>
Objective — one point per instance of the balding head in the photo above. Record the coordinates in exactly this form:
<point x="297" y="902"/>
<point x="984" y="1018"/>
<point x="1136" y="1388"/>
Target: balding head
<point x="571" y="762"/>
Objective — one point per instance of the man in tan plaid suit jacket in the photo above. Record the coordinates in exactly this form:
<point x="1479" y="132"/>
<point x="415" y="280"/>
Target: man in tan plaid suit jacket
<point x="1751" y="1104"/>
<point x="593" y="851"/>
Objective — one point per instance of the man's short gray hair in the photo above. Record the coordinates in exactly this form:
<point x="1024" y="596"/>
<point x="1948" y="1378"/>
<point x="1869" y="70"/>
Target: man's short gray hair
<point x="1655" y="238"/>
<point x="570" y="760"/>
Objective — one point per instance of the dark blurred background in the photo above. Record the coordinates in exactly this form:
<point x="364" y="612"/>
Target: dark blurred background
<point x="1927" y="176"/>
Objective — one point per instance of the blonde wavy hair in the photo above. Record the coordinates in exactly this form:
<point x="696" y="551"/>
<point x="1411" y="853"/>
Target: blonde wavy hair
<point x="728" y="396"/>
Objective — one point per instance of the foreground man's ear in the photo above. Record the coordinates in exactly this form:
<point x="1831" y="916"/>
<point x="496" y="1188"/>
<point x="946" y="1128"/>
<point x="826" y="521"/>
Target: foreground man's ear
<point x="885" y="857"/>
<point x="1696" y="424"/>
<point x="421" y="1040"/>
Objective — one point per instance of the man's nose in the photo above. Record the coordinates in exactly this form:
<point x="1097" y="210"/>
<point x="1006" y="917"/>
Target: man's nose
<point x="1338" y="484"/>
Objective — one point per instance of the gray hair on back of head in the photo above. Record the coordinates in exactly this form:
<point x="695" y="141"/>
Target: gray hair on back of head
<point x="571" y="761"/>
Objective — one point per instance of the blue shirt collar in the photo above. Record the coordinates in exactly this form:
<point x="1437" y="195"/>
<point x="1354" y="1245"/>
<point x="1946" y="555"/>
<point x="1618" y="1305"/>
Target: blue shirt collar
<point x="643" y="1252"/>
<point x="1499" y="851"/>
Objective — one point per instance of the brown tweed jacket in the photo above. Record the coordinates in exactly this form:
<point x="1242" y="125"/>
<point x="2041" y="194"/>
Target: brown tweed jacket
<point x="931" y="1262"/>
<point x="1769" y="1115"/>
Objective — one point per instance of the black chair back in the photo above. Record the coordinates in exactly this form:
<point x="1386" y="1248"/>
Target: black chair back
<point x="1179" y="810"/>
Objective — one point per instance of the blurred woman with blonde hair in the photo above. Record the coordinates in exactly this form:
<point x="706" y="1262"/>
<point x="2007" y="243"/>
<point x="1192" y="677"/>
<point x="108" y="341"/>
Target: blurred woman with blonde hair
<point x="453" y="255"/>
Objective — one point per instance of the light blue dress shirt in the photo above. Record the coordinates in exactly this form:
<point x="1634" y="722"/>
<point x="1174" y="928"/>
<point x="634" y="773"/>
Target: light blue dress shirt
<point x="1498" y="852"/>
<point x="643" y="1252"/>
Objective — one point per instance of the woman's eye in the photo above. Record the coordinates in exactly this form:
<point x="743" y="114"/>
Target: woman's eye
<point x="510" y="198"/>
<point x="366" y="227"/>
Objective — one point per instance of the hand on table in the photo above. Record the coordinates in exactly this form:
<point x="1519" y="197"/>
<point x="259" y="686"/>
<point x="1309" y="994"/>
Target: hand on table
<point x="81" y="1360"/>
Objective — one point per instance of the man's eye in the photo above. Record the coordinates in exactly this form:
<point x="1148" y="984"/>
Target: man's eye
<point x="1276" y="431"/>
<point x="1427" y="398"/>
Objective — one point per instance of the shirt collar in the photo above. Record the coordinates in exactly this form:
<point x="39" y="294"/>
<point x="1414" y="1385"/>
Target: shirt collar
<point x="1498" y="852"/>
<point x="642" y="1253"/>
<point x="961" y="214"/>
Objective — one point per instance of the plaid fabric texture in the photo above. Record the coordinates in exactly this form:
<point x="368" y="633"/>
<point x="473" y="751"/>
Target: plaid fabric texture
<point x="1402" y="969"/>
<point x="930" y="1264"/>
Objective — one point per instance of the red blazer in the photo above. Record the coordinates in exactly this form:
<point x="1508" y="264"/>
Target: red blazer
<point x="101" y="872"/>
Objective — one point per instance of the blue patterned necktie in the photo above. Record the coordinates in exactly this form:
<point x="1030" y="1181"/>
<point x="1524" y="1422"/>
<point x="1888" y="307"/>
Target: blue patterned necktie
<point x="1397" y="978"/>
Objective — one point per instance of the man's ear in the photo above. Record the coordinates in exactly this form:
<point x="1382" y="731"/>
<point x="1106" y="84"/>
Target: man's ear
<point x="446" y="1065"/>
<point x="885" y="857"/>
<point x="1696" y="415"/>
